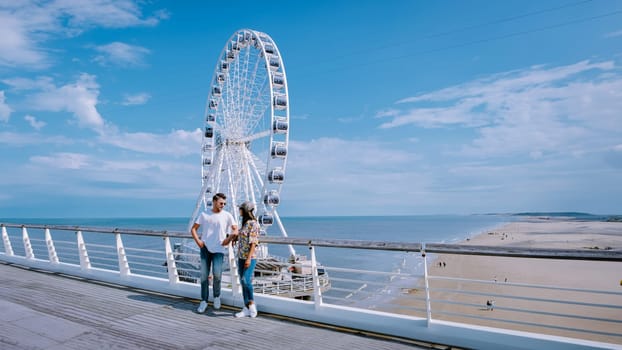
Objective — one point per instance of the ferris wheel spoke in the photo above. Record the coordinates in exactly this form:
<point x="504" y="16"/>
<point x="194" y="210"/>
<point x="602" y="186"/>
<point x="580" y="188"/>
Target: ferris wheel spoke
<point x="252" y="184"/>
<point x="254" y="76"/>
<point x="260" y="107"/>
<point x="246" y="114"/>
<point x="249" y="80"/>
<point x="257" y="175"/>
<point x="255" y="100"/>
<point x="253" y="161"/>
<point x="256" y="136"/>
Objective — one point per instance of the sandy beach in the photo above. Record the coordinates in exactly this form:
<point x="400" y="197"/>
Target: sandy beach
<point x="503" y="280"/>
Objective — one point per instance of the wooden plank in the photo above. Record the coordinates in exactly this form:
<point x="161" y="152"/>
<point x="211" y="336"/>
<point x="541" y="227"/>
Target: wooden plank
<point x="118" y="317"/>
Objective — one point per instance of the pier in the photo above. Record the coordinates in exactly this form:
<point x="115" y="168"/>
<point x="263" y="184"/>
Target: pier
<point x="73" y="287"/>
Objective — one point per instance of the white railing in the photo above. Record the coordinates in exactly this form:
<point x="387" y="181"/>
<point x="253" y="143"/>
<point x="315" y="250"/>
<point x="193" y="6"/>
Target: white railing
<point x="409" y="300"/>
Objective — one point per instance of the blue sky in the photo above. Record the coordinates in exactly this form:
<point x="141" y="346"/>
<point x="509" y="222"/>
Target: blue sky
<point x="397" y="107"/>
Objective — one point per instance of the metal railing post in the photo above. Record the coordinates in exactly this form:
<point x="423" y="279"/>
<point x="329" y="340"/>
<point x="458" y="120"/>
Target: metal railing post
<point x="428" y="306"/>
<point x="8" y="250"/>
<point x="124" y="266"/>
<point x="317" y="290"/>
<point x="171" y="266"/>
<point x="50" y="244"/>
<point x="236" y="288"/>
<point x="30" y="254"/>
<point x="85" y="263"/>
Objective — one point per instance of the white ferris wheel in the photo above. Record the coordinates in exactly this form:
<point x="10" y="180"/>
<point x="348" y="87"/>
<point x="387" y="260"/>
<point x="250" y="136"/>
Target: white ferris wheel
<point x="246" y="134"/>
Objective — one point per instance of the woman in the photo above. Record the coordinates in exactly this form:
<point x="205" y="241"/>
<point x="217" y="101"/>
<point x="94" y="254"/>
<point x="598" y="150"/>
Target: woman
<point x="248" y="238"/>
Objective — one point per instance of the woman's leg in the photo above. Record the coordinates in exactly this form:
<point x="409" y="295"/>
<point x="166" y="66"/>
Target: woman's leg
<point x="243" y="281"/>
<point x="246" y="279"/>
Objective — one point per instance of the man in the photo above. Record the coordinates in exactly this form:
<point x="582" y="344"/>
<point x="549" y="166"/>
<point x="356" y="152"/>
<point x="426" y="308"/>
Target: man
<point x="214" y="231"/>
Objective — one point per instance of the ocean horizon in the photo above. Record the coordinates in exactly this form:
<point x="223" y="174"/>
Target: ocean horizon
<point x="412" y="229"/>
<point x="439" y="227"/>
<point x="408" y="229"/>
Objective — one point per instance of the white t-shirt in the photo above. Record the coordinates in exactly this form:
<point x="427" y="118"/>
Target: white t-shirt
<point x="214" y="228"/>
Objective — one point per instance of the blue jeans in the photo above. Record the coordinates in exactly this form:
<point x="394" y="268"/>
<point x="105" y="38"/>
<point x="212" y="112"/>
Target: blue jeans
<point x="210" y="260"/>
<point x="246" y="279"/>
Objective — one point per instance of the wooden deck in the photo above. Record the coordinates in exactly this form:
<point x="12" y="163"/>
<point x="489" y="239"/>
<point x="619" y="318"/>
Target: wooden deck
<point x="41" y="310"/>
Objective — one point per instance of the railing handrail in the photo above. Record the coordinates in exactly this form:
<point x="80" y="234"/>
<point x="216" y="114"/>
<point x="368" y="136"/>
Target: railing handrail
<point x="130" y="231"/>
<point x="437" y="248"/>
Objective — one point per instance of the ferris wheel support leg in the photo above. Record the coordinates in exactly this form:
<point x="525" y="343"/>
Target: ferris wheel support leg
<point x="197" y="207"/>
<point x="278" y="222"/>
<point x="233" y="199"/>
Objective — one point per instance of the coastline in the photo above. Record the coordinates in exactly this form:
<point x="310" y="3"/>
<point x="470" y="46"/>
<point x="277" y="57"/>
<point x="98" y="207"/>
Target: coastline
<point x="500" y="279"/>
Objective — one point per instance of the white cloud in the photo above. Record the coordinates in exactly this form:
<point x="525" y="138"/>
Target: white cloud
<point x="16" y="46"/>
<point x="334" y="152"/>
<point x="348" y="120"/>
<point x="368" y="175"/>
<point x="389" y="112"/>
<point x="484" y="100"/>
<point x="5" y="110"/>
<point x="77" y="174"/>
<point x="93" y="165"/>
<point x="176" y="143"/>
<point x="120" y="54"/>
<point x="84" y="14"/>
<point x="24" y="139"/>
<point x="36" y="124"/>
<point x="533" y="112"/>
<point x="24" y="84"/>
<point x="614" y="34"/>
<point x="63" y="160"/>
<point x="136" y="99"/>
<point x="79" y="98"/>
<point x="26" y="25"/>
<point x="16" y="139"/>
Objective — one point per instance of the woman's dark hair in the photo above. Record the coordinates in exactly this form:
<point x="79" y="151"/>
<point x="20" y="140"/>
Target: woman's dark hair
<point x="247" y="215"/>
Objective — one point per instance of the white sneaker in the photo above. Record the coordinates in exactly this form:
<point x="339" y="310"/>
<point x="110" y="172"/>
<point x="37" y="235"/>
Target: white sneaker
<point x="252" y="309"/>
<point x="243" y="313"/>
<point x="216" y="303"/>
<point x="202" y="307"/>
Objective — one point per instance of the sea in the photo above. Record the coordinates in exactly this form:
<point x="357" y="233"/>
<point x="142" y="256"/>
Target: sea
<point x="411" y="229"/>
<point x="415" y="228"/>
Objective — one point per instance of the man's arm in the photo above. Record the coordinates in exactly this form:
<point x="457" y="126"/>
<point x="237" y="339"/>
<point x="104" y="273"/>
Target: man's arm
<point x="195" y="236"/>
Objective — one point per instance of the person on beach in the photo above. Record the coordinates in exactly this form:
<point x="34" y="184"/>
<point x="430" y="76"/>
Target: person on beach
<point x="214" y="227"/>
<point x="247" y="239"/>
